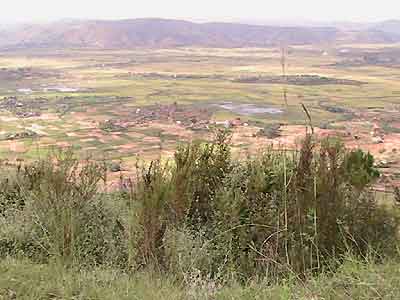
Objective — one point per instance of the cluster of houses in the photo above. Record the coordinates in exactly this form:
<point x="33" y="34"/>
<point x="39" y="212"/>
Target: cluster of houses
<point x="23" y="109"/>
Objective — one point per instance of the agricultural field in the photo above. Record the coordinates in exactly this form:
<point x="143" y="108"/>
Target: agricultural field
<point x="124" y="104"/>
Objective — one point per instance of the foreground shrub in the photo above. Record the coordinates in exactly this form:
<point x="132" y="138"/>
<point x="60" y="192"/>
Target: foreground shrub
<point x="150" y="191"/>
<point x="299" y="212"/>
<point x="11" y="191"/>
<point x="198" y="171"/>
<point x="64" y="216"/>
<point x="175" y="194"/>
<point x="204" y="214"/>
<point x="275" y="213"/>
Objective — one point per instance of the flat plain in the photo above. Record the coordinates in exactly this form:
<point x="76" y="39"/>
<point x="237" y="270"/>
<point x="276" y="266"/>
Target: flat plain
<point x="124" y="104"/>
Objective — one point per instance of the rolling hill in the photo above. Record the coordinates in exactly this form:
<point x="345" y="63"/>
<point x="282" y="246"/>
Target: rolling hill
<point x="158" y="33"/>
<point x="161" y="33"/>
<point x="389" y="27"/>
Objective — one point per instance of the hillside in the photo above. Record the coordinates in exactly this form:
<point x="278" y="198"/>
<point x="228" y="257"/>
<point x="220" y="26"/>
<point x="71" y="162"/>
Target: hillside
<point x="389" y="26"/>
<point x="159" y="33"/>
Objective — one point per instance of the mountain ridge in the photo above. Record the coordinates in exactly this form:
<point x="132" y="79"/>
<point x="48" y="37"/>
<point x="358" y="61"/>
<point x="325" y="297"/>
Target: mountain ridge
<point x="164" y="33"/>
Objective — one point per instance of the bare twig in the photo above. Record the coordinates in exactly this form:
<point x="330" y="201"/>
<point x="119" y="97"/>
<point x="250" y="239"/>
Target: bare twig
<point x="308" y="117"/>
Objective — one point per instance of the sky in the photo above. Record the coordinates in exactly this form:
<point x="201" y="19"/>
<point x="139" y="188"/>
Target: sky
<point x="201" y="10"/>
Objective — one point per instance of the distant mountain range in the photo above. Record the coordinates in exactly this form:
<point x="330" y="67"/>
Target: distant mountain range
<point x="162" y="33"/>
<point x="390" y="27"/>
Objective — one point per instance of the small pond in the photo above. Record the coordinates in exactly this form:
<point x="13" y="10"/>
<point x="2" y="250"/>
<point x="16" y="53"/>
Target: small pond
<point x="248" y="109"/>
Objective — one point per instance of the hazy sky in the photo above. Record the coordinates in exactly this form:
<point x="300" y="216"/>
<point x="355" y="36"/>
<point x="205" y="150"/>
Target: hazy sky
<point x="316" y="10"/>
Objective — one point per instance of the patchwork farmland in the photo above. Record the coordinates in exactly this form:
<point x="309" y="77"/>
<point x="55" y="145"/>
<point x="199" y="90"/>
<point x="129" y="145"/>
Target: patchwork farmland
<point x="128" y="104"/>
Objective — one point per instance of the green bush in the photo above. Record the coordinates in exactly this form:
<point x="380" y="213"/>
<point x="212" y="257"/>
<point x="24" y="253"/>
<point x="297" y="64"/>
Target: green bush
<point x="298" y="212"/>
<point x="197" y="175"/>
<point x="63" y="216"/>
<point x="150" y="192"/>
<point x="203" y="213"/>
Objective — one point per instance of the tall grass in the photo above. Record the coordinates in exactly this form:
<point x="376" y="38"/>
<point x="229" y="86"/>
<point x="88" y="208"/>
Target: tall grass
<point x="22" y="279"/>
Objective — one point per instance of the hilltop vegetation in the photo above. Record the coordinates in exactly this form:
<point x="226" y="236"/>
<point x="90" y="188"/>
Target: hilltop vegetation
<point x="199" y="224"/>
